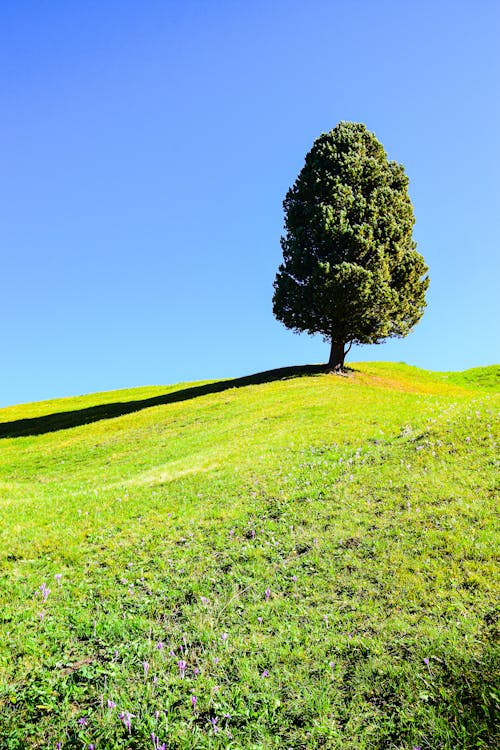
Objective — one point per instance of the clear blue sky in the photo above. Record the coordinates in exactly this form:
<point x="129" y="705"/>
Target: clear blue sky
<point x="146" y="150"/>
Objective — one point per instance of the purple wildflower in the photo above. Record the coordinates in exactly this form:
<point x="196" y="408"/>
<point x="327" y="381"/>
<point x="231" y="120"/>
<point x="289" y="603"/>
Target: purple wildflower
<point x="127" y="717"/>
<point x="204" y="600"/>
<point x="45" y="591"/>
<point x="145" y="664"/>
<point x="83" y="721"/>
<point x="160" y="645"/>
<point x="265" y="673"/>
<point x="182" y="667"/>
<point x="213" y="721"/>
<point x="268" y="594"/>
<point x="294" y="579"/>
<point x="196" y="671"/>
<point x="156" y="742"/>
<point x="58" y="577"/>
<point x="111" y="704"/>
<point x="224" y="636"/>
<point x="259" y="620"/>
<point x="194" y="701"/>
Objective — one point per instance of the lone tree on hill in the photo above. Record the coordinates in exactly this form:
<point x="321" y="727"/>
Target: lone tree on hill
<point x="350" y="269"/>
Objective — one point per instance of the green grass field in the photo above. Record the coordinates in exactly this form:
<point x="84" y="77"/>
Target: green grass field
<point x="307" y="562"/>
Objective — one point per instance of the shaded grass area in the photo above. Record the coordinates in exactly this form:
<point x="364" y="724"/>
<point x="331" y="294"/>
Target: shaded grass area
<point x="319" y="552"/>
<point x="62" y="420"/>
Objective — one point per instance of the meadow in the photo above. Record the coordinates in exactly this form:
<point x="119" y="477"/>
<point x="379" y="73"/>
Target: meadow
<point x="308" y="562"/>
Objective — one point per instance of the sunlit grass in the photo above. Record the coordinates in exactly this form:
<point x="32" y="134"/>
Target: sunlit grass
<point x="364" y="505"/>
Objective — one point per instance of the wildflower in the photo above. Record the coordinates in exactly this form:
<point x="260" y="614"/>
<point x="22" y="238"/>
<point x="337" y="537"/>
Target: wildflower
<point x="224" y="637"/>
<point x="259" y="620"/>
<point x="196" y="671"/>
<point x="213" y="721"/>
<point x="160" y="646"/>
<point x="182" y="667"/>
<point x="127" y="717"/>
<point x="111" y="704"/>
<point x="145" y="664"/>
<point x="204" y="600"/>
<point x="194" y="701"/>
<point x="58" y="577"/>
<point x="83" y="721"/>
<point x="265" y="673"/>
<point x="268" y="594"/>
<point x="45" y="591"/>
<point x="294" y="579"/>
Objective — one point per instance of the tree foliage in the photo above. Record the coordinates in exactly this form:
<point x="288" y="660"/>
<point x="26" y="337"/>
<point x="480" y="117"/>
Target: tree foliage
<point x="350" y="267"/>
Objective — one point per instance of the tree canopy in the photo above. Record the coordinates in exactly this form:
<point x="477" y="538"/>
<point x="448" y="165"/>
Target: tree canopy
<point x="350" y="270"/>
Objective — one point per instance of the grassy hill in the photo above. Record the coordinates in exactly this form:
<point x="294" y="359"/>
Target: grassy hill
<point x="297" y="560"/>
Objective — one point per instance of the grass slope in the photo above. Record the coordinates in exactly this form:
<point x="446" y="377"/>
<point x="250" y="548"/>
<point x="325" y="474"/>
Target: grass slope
<point x="301" y="563"/>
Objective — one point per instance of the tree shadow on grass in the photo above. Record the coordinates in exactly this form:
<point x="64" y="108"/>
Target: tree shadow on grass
<point x="67" y="419"/>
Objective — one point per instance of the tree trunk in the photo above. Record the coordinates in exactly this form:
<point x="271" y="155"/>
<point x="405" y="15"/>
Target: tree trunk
<point x="337" y="355"/>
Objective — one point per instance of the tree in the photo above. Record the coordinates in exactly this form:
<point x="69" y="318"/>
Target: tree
<point x="350" y="267"/>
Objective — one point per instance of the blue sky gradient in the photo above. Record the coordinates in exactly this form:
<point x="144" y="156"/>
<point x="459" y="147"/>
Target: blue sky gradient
<point x="148" y="146"/>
